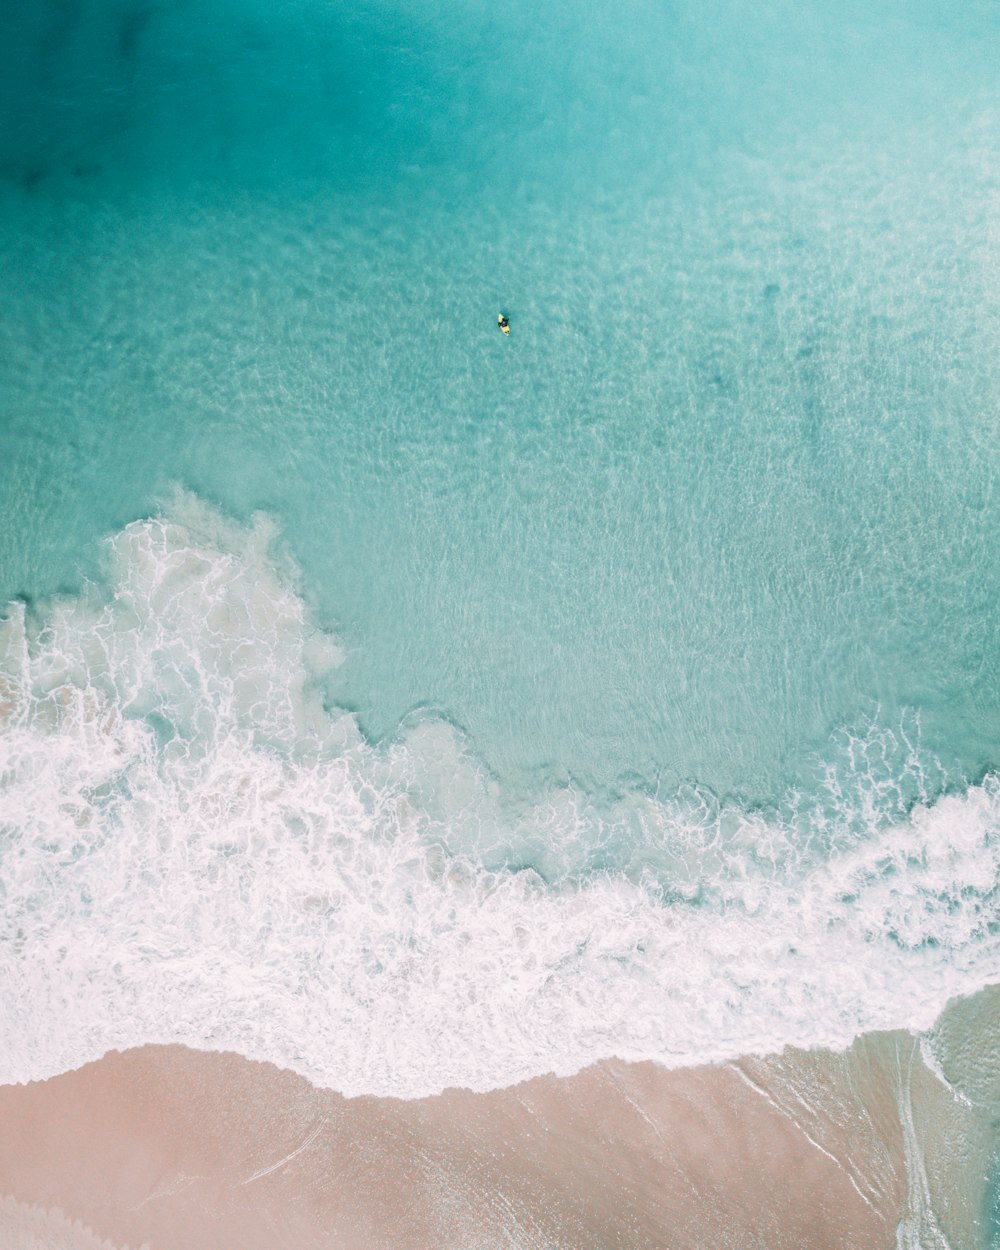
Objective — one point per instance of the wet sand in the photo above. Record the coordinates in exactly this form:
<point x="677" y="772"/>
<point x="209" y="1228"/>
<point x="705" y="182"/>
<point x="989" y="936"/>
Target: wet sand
<point x="203" y="1151"/>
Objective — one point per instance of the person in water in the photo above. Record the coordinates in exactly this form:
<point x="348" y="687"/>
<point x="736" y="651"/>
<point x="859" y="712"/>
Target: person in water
<point x="503" y="323"/>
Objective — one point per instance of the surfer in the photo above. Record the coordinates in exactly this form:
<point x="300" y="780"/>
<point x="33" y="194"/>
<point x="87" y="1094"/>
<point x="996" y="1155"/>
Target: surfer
<point x="503" y="323"/>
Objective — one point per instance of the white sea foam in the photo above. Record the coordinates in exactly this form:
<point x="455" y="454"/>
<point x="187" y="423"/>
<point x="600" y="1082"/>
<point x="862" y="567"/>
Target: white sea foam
<point x="26" y="1227"/>
<point x="194" y="849"/>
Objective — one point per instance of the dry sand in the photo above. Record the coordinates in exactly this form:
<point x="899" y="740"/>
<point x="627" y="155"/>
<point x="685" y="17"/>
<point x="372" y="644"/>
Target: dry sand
<point x="198" y="1151"/>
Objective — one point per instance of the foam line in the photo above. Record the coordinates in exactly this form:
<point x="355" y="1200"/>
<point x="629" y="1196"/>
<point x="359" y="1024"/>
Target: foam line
<point x="25" y="1227"/>
<point x="193" y="848"/>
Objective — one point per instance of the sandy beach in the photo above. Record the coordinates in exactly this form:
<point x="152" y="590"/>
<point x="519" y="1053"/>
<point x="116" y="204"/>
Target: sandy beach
<point x="181" y="1150"/>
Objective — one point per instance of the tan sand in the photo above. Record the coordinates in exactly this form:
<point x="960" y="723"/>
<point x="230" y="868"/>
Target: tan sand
<point x="190" y="1151"/>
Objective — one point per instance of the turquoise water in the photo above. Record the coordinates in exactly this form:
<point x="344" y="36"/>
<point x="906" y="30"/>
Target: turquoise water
<point x="726" y="491"/>
<point x="476" y="707"/>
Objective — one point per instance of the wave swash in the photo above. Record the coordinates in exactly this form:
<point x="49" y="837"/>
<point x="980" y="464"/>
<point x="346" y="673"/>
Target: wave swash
<point x="196" y="848"/>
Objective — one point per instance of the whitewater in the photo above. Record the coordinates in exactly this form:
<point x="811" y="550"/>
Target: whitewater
<point x="197" y="846"/>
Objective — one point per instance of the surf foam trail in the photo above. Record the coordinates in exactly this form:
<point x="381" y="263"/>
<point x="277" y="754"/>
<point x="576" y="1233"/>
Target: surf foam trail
<point x="195" y="848"/>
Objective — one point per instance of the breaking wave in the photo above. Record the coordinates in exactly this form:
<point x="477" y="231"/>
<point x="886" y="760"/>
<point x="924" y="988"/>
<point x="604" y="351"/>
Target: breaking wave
<point x="196" y="847"/>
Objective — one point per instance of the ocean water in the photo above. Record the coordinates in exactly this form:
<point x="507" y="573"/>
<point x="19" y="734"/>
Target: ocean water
<point x="413" y="706"/>
<point x="726" y="489"/>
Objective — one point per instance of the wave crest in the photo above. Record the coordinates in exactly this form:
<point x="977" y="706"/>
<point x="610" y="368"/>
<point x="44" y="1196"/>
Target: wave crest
<point x="196" y="849"/>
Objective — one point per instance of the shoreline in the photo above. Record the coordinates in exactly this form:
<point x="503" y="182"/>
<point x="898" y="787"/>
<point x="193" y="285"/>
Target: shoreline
<point x="187" y="1150"/>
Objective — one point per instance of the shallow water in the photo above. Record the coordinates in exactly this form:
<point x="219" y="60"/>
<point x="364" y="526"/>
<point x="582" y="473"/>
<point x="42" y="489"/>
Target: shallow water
<point x="199" y="849"/>
<point x="726" y="489"/>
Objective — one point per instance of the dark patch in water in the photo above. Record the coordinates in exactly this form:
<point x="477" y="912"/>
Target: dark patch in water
<point x="65" y="17"/>
<point x="771" y="290"/>
<point x="135" y="20"/>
